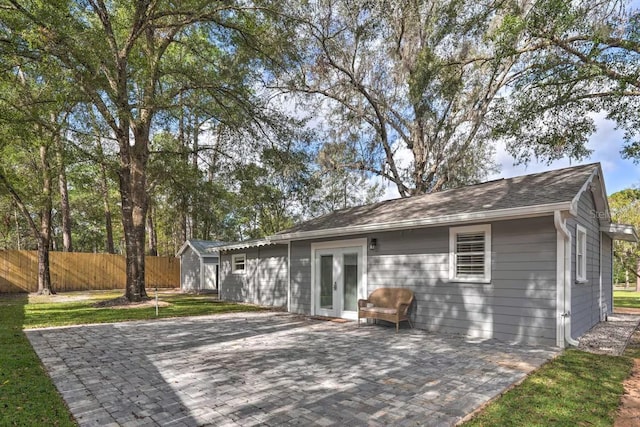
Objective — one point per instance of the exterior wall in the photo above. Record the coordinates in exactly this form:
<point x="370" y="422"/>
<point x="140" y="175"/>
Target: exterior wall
<point x="518" y="305"/>
<point x="301" y="277"/>
<point x="209" y="266"/>
<point x="607" y="273"/>
<point x="264" y="281"/>
<point x="189" y="270"/>
<point x="585" y="310"/>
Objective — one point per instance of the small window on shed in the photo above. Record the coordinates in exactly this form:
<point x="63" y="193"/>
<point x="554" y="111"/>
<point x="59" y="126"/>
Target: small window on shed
<point x="581" y="253"/>
<point x="239" y="263"/>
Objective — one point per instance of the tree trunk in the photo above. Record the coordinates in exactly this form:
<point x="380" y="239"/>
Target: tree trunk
<point x="626" y="278"/>
<point x="67" y="245"/>
<point x="133" y="194"/>
<point x="638" y="276"/>
<point x="44" y="278"/>
<point x="104" y="189"/>
<point x="153" y="236"/>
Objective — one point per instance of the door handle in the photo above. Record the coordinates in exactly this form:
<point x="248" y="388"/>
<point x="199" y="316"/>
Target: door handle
<point x="335" y="286"/>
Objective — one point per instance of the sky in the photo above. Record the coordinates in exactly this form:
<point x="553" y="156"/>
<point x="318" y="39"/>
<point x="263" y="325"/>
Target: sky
<point x="606" y="144"/>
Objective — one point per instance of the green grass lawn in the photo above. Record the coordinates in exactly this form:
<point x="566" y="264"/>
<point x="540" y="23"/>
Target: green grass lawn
<point x="626" y="299"/>
<point x="27" y="395"/>
<point x="575" y="389"/>
<point x="44" y="313"/>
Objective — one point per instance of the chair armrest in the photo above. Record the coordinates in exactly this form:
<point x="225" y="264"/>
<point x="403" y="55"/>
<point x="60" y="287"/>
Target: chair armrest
<point x="362" y="302"/>
<point x="402" y="308"/>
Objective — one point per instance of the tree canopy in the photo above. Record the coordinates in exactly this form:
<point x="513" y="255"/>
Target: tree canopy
<point x="162" y="121"/>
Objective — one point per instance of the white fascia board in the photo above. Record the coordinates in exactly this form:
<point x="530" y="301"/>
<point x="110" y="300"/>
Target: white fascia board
<point x="621" y="232"/>
<point x="500" y="214"/>
<point x="184" y="247"/>
<point x="602" y="194"/>
<point x="245" y="245"/>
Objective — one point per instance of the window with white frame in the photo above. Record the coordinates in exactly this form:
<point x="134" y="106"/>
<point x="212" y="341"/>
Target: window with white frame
<point x="470" y="253"/>
<point x="239" y="263"/>
<point x="581" y="253"/>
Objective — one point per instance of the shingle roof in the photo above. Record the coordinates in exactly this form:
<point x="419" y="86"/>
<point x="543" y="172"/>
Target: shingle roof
<point x="536" y="189"/>
<point x="202" y="247"/>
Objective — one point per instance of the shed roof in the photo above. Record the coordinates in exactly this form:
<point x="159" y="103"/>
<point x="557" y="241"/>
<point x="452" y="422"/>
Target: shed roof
<point x="203" y="248"/>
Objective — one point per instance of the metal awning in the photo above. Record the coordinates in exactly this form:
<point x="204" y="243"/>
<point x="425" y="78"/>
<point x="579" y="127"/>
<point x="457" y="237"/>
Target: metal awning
<point x="621" y="232"/>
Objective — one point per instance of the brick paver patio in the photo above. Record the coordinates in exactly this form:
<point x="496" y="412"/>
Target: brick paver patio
<point x="274" y="369"/>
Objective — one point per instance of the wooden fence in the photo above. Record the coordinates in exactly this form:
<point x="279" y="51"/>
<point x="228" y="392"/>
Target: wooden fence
<point x="74" y="271"/>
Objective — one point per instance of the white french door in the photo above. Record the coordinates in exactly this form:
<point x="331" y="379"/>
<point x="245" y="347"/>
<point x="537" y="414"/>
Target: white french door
<point x="339" y="281"/>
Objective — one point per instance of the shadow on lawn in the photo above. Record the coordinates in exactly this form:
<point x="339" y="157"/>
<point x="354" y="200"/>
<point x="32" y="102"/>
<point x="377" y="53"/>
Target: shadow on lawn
<point x="27" y="395"/>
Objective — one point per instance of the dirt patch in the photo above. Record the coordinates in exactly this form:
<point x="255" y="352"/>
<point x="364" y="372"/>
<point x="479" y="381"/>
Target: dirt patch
<point x="629" y="411"/>
<point x="123" y="303"/>
<point x="625" y="310"/>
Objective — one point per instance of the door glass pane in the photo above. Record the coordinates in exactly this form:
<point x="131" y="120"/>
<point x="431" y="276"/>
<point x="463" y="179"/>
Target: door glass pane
<point x="350" y="282"/>
<point x="326" y="282"/>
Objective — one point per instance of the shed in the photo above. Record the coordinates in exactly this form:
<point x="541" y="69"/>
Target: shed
<point x="199" y="265"/>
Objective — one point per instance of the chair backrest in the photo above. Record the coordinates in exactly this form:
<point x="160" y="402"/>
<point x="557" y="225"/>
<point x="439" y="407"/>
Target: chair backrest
<point x="390" y="297"/>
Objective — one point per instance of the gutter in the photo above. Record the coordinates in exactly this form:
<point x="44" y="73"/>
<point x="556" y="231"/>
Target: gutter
<point x="564" y="280"/>
<point x="498" y="214"/>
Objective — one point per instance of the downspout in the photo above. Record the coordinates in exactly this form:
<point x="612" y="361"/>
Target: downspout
<point x="566" y="277"/>
<point x="289" y="277"/>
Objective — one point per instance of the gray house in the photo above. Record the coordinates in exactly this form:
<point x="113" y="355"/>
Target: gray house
<point x="525" y="259"/>
<point x="199" y="265"/>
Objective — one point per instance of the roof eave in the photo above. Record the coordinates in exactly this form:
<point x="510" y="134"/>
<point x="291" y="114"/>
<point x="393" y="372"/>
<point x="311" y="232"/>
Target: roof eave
<point x="499" y="214"/>
<point x="184" y="247"/>
<point x="245" y="245"/>
<point x="602" y="194"/>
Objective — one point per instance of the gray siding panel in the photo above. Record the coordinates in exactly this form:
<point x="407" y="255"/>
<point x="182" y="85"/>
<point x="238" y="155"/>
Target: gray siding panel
<point x="301" y="277"/>
<point x="189" y="270"/>
<point x="519" y="305"/>
<point x="264" y="281"/>
<point x="585" y="310"/>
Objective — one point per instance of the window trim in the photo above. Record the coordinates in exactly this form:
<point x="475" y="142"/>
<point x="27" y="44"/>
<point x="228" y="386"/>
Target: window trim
<point x="453" y="232"/>
<point x="581" y="250"/>
<point x="236" y="257"/>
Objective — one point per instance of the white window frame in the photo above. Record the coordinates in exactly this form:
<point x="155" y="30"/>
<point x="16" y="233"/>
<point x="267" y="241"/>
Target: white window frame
<point x="453" y="233"/>
<point x="581" y="254"/>
<point x="234" y="259"/>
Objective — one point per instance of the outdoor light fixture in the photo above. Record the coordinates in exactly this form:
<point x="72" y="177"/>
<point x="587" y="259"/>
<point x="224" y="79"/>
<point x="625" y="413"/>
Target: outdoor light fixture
<point x="373" y="244"/>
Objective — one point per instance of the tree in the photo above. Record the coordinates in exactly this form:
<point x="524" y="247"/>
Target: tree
<point x="423" y="78"/>
<point x="588" y="62"/>
<point x="31" y="109"/>
<point x="338" y="186"/>
<point x="625" y="209"/>
<point x="132" y="60"/>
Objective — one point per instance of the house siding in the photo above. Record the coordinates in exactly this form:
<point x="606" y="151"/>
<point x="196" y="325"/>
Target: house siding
<point x="189" y="270"/>
<point x="264" y="281"/>
<point x="518" y="305"/>
<point x="585" y="310"/>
